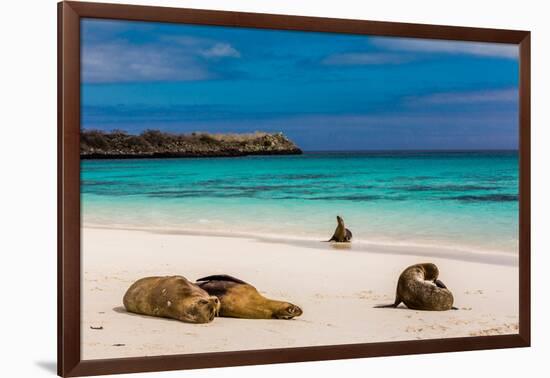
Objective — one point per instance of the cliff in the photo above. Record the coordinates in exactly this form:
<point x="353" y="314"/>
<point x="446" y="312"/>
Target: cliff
<point x="155" y="144"/>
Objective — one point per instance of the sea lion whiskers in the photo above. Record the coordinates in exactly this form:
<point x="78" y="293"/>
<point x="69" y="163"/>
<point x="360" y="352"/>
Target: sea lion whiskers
<point x="217" y="305"/>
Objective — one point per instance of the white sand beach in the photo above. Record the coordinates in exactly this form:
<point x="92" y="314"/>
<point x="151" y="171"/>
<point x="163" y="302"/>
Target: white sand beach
<point x="337" y="288"/>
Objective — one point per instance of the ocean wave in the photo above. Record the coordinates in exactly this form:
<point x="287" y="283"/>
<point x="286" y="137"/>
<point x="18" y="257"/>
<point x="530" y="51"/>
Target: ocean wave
<point x="85" y="183"/>
<point x="350" y="197"/>
<point x="485" y="198"/>
<point x="444" y="188"/>
<point x="262" y="187"/>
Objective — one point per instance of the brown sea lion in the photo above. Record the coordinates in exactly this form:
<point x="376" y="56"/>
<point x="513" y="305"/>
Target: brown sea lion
<point x="419" y="288"/>
<point x="341" y="234"/>
<point x="241" y="300"/>
<point x="171" y="297"/>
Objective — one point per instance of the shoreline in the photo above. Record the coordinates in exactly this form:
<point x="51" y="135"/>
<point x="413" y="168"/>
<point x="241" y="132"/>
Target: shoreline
<point x="358" y="245"/>
<point x="338" y="290"/>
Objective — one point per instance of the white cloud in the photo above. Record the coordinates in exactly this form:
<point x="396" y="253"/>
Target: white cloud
<point x="181" y="59"/>
<point x="349" y="59"/>
<point x="473" y="97"/>
<point x="125" y="62"/>
<point x="221" y="50"/>
<point x="184" y="40"/>
<point x="500" y="50"/>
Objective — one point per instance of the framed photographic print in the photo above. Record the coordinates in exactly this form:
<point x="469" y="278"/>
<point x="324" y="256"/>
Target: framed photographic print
<point x="239" y="188"/>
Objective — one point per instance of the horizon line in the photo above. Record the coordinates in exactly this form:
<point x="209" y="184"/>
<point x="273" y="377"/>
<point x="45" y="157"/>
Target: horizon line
<point x="418" y="150"/>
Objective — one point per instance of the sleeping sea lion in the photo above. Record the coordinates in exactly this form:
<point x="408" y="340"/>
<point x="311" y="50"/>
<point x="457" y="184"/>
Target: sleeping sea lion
<point x="241" y="300"/>
<point x="171" y="297"/>
<point x="419" y="288"/>
<point x="341" y="234"/>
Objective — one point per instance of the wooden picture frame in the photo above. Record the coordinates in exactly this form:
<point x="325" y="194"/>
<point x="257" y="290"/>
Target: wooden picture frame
<point x="69" y="267"/>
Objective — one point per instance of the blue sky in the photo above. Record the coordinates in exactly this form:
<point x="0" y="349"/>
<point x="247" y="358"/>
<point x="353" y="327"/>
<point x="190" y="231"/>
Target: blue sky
<point x="325" y="91"/>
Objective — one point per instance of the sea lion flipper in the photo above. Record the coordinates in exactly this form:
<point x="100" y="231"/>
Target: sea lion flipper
<point x="386" y="306"/>
<point x="393" y="305"/>
<point x="221" y="277"/>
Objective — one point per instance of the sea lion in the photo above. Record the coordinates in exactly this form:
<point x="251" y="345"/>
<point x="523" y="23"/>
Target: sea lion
<point x="241" y="300"/>
<point x="419" y="288"/>
<point x="341" y="234"/>
<point x="171" y="297"/>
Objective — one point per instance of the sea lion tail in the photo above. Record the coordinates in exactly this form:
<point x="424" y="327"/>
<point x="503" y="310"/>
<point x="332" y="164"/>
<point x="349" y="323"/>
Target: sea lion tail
<point x="454" y="308"/>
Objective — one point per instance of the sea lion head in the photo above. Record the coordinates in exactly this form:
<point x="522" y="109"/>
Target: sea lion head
<point x="287" y="311"/>
<point x="340" y="220"/>
<point x="199" y="307"/>
<point x="194" y="305"/>
<point x="431" y="272"/>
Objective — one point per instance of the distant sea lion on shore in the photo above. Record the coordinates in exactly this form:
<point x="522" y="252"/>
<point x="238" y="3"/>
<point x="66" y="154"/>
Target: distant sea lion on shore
<point x="171" y="297"/>
<point x="341" y="234"/>
<point x="241" y="300"/>
<point x="420" y="289"/>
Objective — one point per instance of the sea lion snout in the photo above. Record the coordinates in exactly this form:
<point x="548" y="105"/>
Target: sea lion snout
<point x="210" y="307"/>
<point x="212" y="300"/>
<point x="217" y="304"/>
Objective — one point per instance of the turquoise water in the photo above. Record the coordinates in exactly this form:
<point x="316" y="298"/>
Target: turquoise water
<point x="462" y="199"/>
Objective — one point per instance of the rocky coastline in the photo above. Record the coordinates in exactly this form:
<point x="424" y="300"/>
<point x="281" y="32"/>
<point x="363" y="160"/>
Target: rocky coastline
<point x="117" y="144"/>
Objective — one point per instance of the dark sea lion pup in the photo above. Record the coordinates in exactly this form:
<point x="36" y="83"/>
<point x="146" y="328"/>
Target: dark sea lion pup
<point x="419" y="288"/>
<point x="241" y="300"/>
<point x="341" y="234"/>
<point x="171" y="297"/>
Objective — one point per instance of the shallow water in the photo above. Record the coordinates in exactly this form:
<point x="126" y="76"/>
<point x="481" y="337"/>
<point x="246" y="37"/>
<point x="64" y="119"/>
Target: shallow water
<point x="463" y="200"/>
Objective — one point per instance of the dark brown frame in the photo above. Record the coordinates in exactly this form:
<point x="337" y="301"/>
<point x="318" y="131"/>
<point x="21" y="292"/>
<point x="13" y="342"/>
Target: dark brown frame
<point x="69" y="361"/>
